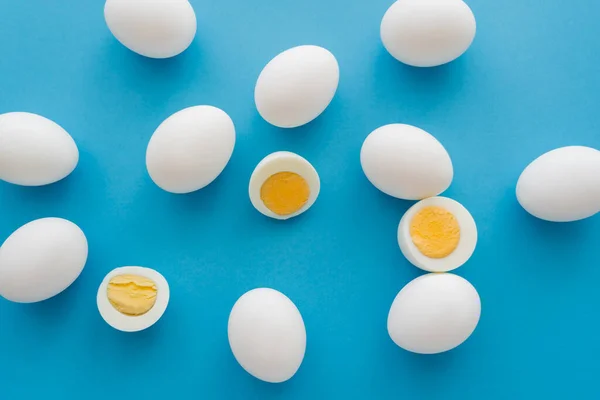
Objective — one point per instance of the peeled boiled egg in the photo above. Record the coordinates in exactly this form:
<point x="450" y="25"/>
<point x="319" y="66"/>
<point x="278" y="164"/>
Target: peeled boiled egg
<point x="34" y="150"/>
<point x="562" y="185"/>
<point x="283" y="185"/>
<point x="296" y="86"/>
<point x="41" y="259"/>
<point x="267" y="335"/>
<point x="406" y="162"/>
<point x="437" y="234"/>
<point x="152" y="28"/>
<point x="427" y="33"/>
<point x="434" y="313"/>
<point x="131" y="299"/>
<point x="190" y="149"/>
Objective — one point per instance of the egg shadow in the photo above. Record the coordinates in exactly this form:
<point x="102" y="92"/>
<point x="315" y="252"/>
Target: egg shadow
<point x="47" y="195"/>
<point x="52" y="314"/>
<point x="432" y="85"/>
<point x="550" y="246"/>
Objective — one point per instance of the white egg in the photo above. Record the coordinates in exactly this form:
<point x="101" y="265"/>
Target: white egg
<point x="406" y="162"/>
<point x="434" y="313"/>
<point x="190" y="149"/>
<point x="267" y="335"/>
<point x="296" y="86"/>
<point x="41" y="259"/>
<point x="283" y="185"/>
<point x="562" y="185"/>
<point x="34" y="150"/>
<point x="131" y="299"/>
<point x="152" y="28"/>
<point x="437" y="234"/>
<point x="427" y="33"/>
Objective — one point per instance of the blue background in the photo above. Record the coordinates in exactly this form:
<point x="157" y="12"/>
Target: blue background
<point x="528" y="84"/>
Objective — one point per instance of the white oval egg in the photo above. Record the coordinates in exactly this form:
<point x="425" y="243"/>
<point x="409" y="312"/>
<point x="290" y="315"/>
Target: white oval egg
<point x="296" y="86"/>
<point x="34" y="150"/>
<point x="41" y="259"/>
<point x="434" y="313"/>
<point x="190" y="149"/>
<point x="406" y="162"/>
<point x="152" y="28"/>
<point x="283" y="185"/>
<point x="427" y="33"/>
<point x="562" y="185"/>
<point x="131" y="299"/>
<point x="267" y="335"/>
<point x="437" y="234"/>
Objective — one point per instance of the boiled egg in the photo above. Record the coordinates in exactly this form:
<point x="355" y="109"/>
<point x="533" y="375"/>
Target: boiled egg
<point x="267" y="335"/>
<point x="406" y="162"/>
<point x="427" y="33"/>
<point x="296" y="86"/>
<point x="34" y="150"/>
<point x="434" y="313"/>
<point x="283" y="185"/>
<point x="152" y="28"/>
<point x="41" y="259"/>
<point x="131" y="299"/>
<point x="562" y="185"/>
<point x="190" y="149"/>
<point x="437" y="234"/>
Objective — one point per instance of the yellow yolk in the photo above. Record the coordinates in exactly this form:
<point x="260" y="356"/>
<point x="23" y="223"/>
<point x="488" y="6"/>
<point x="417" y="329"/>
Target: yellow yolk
<point x="131" y="294"/>
<point x="435" y="232"/>
<point x="285" y="193"/>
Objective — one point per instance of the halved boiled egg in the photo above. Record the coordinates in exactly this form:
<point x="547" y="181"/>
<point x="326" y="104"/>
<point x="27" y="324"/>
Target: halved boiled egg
<point x="131" y="299"/>
<point x="283" y="185"/>
<point x="437" y="234"/>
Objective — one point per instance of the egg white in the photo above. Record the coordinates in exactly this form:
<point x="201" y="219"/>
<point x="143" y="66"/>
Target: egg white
<point x="466" y="244"/>
<point x="283" y="161"/>
<point x="133" y="323"/>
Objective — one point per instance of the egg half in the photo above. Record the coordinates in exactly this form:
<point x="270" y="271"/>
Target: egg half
<point x="267" y="335"/>
<point x="437" y="234"/>
<point x="34" y="150"/>
<point x="434" y="313"/>
<point x="406" y="162"/>
<point x="152" y="28"/>
<point x="427" y="33"/>
<point x="131" y="299"/>
<point x="41" y="259"/>
<point x="562" y="185"/>
<point x="190" y="149"/>
<point x="283" y="185"/>
<point x="296" y="86"/>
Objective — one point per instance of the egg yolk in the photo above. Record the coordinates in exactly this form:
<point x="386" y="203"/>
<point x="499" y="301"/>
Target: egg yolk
<point x="131" y="294"/>
<point x="435" y="232"/>
<point x="285" y="193"/>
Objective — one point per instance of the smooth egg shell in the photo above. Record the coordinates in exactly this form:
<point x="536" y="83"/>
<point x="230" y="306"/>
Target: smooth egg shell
<point x="267" y="335"/>
<point x="129" y="323"/>
<point x="34" y="150"/>
<point x="283" y="161"/>
<point x="152" y="28"/>
<point x="434" y="313"/>
<point x="562" y="185"/>
<point x="406" y="162"/>
<point x="296" y="86"/>
<point x="190" y="149"/>
<point x="41" y="259"/>
<point x="427" y="33"/>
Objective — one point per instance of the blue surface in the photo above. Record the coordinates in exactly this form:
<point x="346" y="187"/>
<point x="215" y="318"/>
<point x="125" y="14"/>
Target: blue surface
<point x="528" y="84"/>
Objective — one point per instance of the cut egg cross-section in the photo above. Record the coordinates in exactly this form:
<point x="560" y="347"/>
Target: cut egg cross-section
<point x="131" y="299"/>
<point x="437" y="234"/>
<point x="283" y="185"/>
